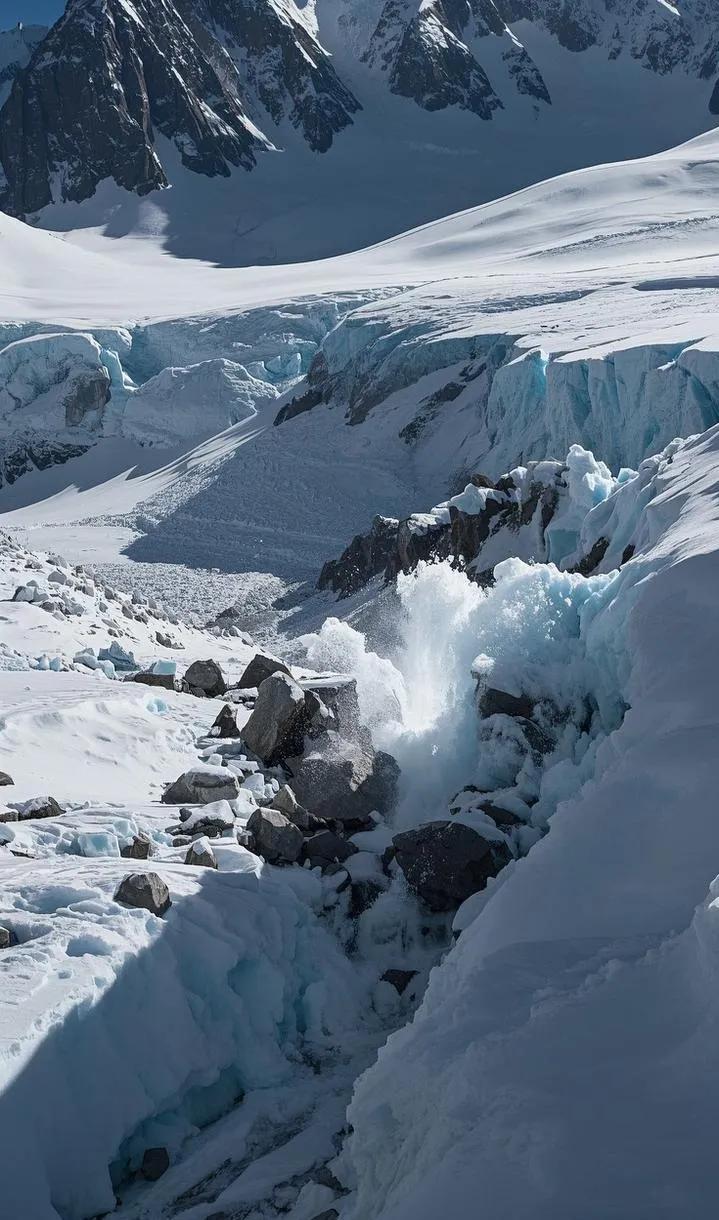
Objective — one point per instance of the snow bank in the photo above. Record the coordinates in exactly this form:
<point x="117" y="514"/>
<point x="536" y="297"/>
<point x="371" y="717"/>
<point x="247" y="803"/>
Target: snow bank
<point x="566" y="1040"/>
<point x="121" y="1031"/>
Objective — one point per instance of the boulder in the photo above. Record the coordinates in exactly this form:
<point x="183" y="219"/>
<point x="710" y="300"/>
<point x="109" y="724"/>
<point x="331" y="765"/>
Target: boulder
<point x="501" y="817"/>
<point x="260" y="667"/>
<point x="200" y="853"/>
<point x="275" y="837"/>
<point x="139" y="849"/>
<point x="5" y="780"/>
<point x="287" y="803"/>
<point x="7" y="938"/>
<point x="326" y="847"/>
<point x="495" y="702"/>
<point x="202" y="785"/>
<point x="340" y="780"/>
<point x="148" y="678"/>
<point x="445" y="862"/>
<point x="155" y="1162"/>
<point x="399" y="979"/>
<point x="40" y="807"/>
<point x="206" y="677"/>
<point x="146" y="891"/>
<point x="276" y="727"/>
<point x="213" y="819"/>
<point x="225" y="724"/>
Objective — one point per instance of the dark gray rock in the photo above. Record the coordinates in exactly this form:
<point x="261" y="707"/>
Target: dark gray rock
<point x="381" y="787"/>
<point x="5" y="780"/>
<point x="276" y="728"/>
<point x="287" y="803"/>
<point x="591" y="561"/>
<point x="201" y="786"/>
<point x="146" y="891"/>
<point x="363" y="895"/>
<point x="445" y="862"/>
<point x="139" y="849"/>
<point x="326" y="848"/>
<point x="260" y="667"/>
<point x="399" y="979"/>
<point x="330" y="1214"/>
<point x="201" y="854"/>
<point x="338" y="695"/>
<point x="276" y="838"/>
<point x="495" y="702"/>
<point x="501" y="817"/>
<point x="7" y="938"/>
<point x="42" y="807"/>
<point x="155" y="1163"/>
<point x="367" y="556"/>
<point x="225" y="723"/>
<point x="205" y="677"/>
<point x="343" y="781"/>
<point x="165" y="681"/>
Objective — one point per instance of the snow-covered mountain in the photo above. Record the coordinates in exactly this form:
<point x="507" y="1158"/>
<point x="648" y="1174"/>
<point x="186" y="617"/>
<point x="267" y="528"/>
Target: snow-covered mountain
<point x="391" y="114"/>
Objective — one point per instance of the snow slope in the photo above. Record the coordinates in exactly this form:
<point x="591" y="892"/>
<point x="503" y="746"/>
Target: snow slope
<point x="564" y="1055"/>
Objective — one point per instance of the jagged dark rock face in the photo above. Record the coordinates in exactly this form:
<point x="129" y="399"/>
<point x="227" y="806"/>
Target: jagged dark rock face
<point x="285" y="68"/>
<point x="393" y="546"/>
<point x="188" y="69"/>
<point x="430" y="55"/>
<point x="62" y="131"/>
<point x="436" y="69"/>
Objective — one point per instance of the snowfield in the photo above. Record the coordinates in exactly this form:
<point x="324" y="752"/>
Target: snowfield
<point x="365" y="1035"/>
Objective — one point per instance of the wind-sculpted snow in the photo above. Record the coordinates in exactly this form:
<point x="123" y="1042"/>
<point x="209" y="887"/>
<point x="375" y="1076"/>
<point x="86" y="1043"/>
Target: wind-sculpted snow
<point x="565" y="1039"/>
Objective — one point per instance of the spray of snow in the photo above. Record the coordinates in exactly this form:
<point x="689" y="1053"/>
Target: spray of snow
<point x="529" y="632"/>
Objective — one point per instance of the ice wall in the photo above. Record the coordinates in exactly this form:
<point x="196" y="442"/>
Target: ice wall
<point x="468" y="396"/>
